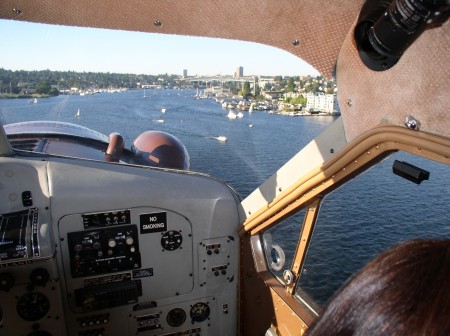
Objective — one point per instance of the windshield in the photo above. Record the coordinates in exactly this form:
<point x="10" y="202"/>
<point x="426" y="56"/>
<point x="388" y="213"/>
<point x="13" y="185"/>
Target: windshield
<point x="240" y="109"/>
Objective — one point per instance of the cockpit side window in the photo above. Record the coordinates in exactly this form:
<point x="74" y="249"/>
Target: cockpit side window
<point x="280" y="244"/>
<point x="367" y="215"/>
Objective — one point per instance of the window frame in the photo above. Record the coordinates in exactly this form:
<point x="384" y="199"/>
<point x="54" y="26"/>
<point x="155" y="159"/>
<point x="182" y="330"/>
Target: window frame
<point x="308" y="192"/>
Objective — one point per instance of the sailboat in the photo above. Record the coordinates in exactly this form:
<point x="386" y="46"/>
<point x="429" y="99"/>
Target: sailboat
<point x="77" y="115"/>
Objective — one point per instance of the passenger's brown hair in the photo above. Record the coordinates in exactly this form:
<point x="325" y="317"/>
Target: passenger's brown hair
<point x="403" y="291"/>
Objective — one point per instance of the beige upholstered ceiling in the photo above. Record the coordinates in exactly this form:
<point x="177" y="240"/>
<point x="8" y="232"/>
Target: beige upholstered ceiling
<point x="319" y="26"/>
<point x="418" y="85"/>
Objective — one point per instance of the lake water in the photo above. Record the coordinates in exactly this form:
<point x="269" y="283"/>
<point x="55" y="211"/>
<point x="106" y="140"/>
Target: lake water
<point x="357" y="221"/>
<point x="249" y="156"/>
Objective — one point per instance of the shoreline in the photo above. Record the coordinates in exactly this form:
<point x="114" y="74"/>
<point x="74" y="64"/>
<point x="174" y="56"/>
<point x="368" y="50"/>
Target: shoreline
<point x="22" y="96"/>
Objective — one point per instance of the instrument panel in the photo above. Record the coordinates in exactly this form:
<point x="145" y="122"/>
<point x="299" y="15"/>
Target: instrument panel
<point x="119" y="259"/>
<point x="166" y="268"/>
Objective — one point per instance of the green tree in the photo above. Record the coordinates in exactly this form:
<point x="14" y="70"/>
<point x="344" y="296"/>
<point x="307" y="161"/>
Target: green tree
<point x="298" y="100"/>
<point x="290" y="85"/>
<point x="234" y="89"/>
<point x="312" y="88"/>
<point x="257" y="90"/>
<point x="53" y="92"/>
<point x="246" y="90"/>
<point x="44" y="87"/>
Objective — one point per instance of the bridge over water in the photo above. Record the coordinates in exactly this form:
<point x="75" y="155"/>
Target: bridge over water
<point x="222" y="79"/>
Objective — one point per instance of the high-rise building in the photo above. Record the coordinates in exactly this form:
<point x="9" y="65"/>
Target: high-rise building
<point x="184" y="73"/>
<point x="239" y="72"/>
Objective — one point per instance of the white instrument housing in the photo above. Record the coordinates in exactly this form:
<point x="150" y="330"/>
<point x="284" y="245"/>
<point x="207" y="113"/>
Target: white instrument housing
<point x="115" y="249"/>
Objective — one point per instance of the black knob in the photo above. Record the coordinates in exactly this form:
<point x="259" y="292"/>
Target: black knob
<point x="39" y="276"/>
<point x="6" y="281"/>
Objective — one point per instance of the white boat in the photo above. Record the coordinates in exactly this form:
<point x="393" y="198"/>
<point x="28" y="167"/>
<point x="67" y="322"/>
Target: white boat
<point x="221" y="138"/>
<point x="240" y="115"/>
<point x="77" y="115"/>
<point x="161" y="121"/>
<point x="231" y="115"/>
<point x="163" y="110"/>
<point x="250" y="110"/>
<point x="250" y="125"/>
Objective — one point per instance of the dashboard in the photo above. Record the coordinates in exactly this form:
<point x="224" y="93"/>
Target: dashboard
<point x="91" y="248"/>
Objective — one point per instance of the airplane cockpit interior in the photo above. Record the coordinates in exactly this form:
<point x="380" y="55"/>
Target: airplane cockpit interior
<point x="98" y="240"/>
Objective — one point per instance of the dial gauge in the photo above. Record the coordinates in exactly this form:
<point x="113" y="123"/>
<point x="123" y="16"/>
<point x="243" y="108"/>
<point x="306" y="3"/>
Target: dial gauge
<point x="199" y="312"/>
<point x="33" y="306"/>
<point x="176" y="317"/>
<point x="171" y="240"/>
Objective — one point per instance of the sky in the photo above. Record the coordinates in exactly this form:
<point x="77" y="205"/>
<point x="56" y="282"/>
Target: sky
<point x="31" y="46"/>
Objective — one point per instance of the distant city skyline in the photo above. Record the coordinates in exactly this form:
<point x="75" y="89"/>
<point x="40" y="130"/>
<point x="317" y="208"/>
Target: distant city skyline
<point x="30" y="46"/>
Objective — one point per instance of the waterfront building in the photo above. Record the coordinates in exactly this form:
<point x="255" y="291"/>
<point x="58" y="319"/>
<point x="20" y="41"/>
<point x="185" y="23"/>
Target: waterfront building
<point x="263" y="80"/>
<point x="272" y="95"/>
<point x="327" y="103"/>
<point x="292" y="95"/>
